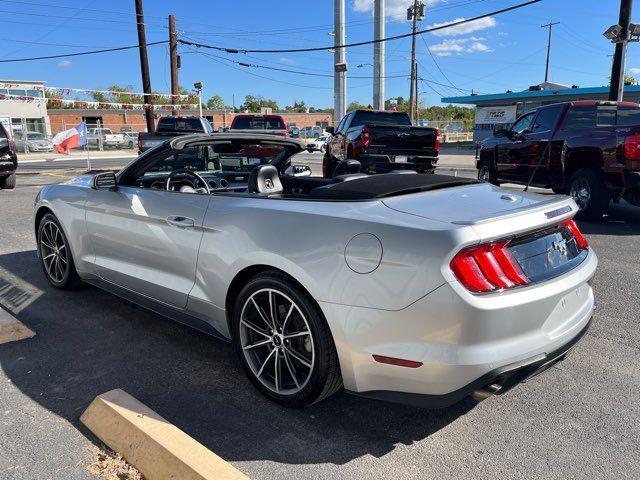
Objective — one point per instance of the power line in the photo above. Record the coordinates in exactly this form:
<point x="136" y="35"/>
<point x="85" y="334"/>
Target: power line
<point x="77" y="54"/>
<point x="368" y="42"/>
<point x="437" y="65"/>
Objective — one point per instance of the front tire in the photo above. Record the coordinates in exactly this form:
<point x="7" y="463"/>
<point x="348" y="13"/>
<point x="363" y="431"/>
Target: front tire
<point x="587" y="189"/>
<point x="55" y="254"/>
<point x="328" y="164"/>
<point x="8" y="183"/>
<point x="487" y="173"/>
<point x="284" y="343"/>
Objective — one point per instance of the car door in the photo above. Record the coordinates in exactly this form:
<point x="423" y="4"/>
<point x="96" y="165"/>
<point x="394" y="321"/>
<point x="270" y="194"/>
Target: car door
<point x="534" y="149"/>
<point x="509" y="149"/>
<point x="144" y="238"/>
<point x="339" y="146"/>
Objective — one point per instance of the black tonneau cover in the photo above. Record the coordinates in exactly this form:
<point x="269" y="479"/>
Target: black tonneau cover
<point x="386" y="185"/>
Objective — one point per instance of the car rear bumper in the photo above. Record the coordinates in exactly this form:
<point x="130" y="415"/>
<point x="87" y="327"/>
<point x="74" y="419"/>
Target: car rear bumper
<point x="463" y="342"/>
<point x="7" y="167"/>
<point x="632" y="179"/>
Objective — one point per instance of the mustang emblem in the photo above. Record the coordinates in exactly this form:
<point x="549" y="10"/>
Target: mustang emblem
<point x="403" y="135"/>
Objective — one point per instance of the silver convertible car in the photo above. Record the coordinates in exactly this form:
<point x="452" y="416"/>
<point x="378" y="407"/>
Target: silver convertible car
<point x="422" y="289"/>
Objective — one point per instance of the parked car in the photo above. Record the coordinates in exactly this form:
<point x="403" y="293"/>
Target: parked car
<point x="35" y="142"/>
<point x="257" y="123"/>
<point x="319" y="144"/>
<point x="8" y="160"/>
<point x="417" y="288"/>
<point x="294" y="132"/>
<point x="587" y="149"/>
<point x="105" y="138"/>
<point x="173" y="126"/>
<point x="130" y="139"/>
<point x="381" y="140"/>
<point x="312" y="132"/>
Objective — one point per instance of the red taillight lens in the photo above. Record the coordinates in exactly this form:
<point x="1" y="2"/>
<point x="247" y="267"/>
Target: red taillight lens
<point x="487" y="268"/>
<point x="632" y="147"/>
<point x="139" y="142"/>
<point x="366" y="137"/>
<point x="438" y="140"/>
<point x="580" y="240"/>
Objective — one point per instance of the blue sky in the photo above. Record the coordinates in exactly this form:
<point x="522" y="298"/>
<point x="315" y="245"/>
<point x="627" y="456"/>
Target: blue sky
<point x="503" y="52"/>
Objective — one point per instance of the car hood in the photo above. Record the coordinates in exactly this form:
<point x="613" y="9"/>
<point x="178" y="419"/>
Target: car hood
<point x="467" y="204"/>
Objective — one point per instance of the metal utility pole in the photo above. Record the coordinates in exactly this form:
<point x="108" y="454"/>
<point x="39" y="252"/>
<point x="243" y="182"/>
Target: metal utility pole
<point x="144" y="67"/>
<point x="414" y="13"/>
<point x="378" y="54"/>
<point x="417" y="96"/>
<point x="340" y="62"/>
<point x="616" y="89"/>
<point x="550" y="27"/>
<point x="173" y="59"/>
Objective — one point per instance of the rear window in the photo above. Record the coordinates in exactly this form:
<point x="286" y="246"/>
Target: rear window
<point x="592" y="116"/>
<point x="3" y="132"/>
<point x="258" y="123"/>
<point x="364" y="117"/>
<point x="188" y="124"/>
<point x="546" y="119"/>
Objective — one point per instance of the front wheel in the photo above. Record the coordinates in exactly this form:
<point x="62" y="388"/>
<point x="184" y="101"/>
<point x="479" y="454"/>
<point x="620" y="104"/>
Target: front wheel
<point x="283" y="342"/>
<point x="487" y="173"/>
<point x="55" y="254"/>
<point x="8" y="183"/>
<point x="592" y="197"/>
<point x="328" y="164"/>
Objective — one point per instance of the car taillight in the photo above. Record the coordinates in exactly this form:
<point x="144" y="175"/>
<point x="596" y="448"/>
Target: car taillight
<point x="139" y="142"/>
<point x="577" y="235"/>
<point x="632" y="147"/>
<point x="438" y="140"/>
<point x="486" y="268"/>
<point x="366" y="137"/>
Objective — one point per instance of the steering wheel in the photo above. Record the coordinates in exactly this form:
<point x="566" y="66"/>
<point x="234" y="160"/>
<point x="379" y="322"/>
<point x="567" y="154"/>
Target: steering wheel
<point x="184" y="171"/>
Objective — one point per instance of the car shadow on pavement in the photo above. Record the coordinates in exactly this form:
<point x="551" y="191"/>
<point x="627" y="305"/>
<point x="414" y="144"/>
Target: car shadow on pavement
<point x="89" y="342"/>
<point x="622" y="219"/>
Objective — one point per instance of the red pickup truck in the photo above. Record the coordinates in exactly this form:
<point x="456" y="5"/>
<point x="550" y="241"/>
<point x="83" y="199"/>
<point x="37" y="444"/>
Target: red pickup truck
<point x="587" y="149"/>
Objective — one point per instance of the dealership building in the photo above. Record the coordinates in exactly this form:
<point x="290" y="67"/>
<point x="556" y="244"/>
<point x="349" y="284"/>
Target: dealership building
<point x="23" y="107"/>
<point x="498" y="111"/>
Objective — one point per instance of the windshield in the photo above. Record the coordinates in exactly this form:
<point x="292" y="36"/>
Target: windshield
<point x="395" y="118"/>
<point x="258" y="123"/>
<point x="35" y="136"/>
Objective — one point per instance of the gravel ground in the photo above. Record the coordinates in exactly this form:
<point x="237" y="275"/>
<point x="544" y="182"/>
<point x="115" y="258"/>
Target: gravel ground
<point x="580" y="419"/>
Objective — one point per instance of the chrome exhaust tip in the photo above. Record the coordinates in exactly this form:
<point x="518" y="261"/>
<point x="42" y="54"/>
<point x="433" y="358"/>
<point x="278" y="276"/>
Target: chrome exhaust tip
<point x="486" y="392"/>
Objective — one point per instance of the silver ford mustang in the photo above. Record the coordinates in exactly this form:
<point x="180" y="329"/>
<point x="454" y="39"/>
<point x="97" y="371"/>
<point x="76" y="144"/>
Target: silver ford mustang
<point x="422" y="289"/>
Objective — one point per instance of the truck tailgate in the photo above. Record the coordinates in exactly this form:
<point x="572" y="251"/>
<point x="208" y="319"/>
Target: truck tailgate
<point x="404" y="136"/>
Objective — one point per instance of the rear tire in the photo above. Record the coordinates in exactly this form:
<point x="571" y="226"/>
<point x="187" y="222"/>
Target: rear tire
<point x="283" y="342"/>
<point x="55" y="254"/>
<point x="8" y="183"/>
<point x="587" y="189"/>
<point x="328" y="165"/>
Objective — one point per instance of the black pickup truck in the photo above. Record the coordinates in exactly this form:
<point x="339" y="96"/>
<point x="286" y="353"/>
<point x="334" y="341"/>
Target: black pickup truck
<point x="8" y="161"/>
<point x="172" y="127"/>
<point x="381" y="140"/>
<point x="587" y="149"/>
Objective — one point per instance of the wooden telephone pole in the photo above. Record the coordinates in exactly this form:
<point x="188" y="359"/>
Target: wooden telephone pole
<point x="173" y="58"/>
<point x="144" y="67"/>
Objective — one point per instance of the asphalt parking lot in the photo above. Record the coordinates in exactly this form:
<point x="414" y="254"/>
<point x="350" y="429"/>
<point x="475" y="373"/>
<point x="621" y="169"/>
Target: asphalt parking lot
<point x="580" y="419"/>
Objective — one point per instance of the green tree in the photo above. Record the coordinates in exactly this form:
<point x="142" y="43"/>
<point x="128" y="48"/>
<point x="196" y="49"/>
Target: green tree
<point x="216" y="103"/>
<point x="253" y="103"/>
<point x="297" y="107"/>
<point x="356" y="106"/>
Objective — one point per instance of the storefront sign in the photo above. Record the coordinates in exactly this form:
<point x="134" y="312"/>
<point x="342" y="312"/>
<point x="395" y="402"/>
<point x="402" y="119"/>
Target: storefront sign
<point x="493" y="115"/>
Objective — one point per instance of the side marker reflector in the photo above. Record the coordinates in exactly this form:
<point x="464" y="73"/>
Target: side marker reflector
<point x="399" y="362"/>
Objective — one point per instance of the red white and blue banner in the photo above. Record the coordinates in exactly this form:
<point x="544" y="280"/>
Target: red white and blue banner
<point x="72" y="138"/>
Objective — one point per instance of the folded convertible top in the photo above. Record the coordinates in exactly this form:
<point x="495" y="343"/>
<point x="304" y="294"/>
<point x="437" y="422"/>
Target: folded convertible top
<point x="387" y="185"/>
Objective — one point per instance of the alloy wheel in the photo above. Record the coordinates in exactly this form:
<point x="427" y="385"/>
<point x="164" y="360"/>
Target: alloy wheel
<point x="53" y="252"/>
<point x="483" y="174"/>
<point x="581" y="192"/>
<point x="276" y="341"/>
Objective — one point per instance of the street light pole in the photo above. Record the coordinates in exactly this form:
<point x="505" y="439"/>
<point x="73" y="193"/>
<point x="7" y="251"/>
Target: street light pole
<point x="340" y="63"/>
<point x="616" y="88"/>
<point x="378" y="55"/>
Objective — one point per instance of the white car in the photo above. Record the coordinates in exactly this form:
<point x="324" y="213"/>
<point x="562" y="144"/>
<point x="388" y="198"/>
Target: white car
<point x="319" y="144"/>
<point x="104" y="137"/>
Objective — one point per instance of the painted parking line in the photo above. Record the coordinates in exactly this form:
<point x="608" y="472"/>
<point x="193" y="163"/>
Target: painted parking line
<point x="155" y="447"/>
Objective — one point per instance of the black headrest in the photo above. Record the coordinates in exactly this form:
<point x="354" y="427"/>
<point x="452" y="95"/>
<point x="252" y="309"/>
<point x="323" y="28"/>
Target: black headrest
<point x="347" y="166"/>
<point x="264" y="179"/>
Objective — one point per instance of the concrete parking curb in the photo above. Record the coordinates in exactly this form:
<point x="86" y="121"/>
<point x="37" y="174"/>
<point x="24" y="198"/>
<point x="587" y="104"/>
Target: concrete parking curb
<point x="158" y="449"/>
<point x="11" y="329"/>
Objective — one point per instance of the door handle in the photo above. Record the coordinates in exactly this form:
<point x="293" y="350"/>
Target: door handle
<point x="180" y="222"/>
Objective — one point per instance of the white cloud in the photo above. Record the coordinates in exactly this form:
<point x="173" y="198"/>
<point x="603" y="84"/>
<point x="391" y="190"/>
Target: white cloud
<point x="64" y="63"/>
<point x="394" y="9"/>
<point x="449" y="46"/>
<point x="634" y="70"/>
<point x="287" y="60"/>
<point x="465" y="28"/>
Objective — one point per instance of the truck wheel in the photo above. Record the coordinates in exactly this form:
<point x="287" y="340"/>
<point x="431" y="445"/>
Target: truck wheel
<point x="328" y="165"/>
<point x="8" y="183"/>
<point x="588" y="191"/>
<point x="488" y="174"/>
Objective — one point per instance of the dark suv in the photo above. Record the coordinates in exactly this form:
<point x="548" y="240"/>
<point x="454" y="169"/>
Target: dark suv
<point x="8" y="160"/>
<point x="587" y="149"/>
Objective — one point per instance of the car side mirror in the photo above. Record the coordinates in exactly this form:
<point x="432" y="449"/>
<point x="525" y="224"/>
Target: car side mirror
<point x="104" y="181"/>
<point x="298" y="171"/>
<point x="330" y="130"/>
